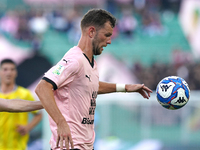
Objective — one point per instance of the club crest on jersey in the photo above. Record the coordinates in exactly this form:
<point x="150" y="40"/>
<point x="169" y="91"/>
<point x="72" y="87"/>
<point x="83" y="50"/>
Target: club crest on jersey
<point x="58" y="69"/>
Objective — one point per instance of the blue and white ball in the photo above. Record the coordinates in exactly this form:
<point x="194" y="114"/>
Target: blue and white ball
<point x="173" y="92"/>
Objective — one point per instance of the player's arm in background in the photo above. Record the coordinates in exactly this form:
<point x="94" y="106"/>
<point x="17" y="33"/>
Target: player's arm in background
<point x="24" y="129"/>
<point x="18" y="105"/>
<point x="105" y="87"/>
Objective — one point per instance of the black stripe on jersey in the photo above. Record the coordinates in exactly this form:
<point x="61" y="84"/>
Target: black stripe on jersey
<point x="91" y="63"/>
<point x="50" y="81"/>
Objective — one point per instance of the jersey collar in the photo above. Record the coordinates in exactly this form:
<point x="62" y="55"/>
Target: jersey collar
<point x="91" y="63"/>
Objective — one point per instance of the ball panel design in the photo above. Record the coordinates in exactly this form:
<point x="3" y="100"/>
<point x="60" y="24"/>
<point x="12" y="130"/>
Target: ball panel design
<point x="180" y="99"/>
<point x="165" y="89"/>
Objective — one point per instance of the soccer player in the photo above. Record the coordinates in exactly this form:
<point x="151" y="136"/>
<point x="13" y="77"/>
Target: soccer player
<point x="69" y="89"/>
<point x="14" y="127"/>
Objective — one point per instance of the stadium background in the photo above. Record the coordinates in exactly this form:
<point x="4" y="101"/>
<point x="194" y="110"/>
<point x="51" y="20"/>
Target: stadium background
<point x="153" y="39"/>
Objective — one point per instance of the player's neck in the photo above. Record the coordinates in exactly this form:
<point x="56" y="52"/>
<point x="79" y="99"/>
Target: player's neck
<point x="86" y="46"/>
<point x="7" y="88"/>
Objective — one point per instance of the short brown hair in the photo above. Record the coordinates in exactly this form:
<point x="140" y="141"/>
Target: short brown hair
<point x="97" y="18"/>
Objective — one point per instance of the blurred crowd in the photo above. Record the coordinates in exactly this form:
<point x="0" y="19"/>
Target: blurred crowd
<point x="182" y="65"/>
<point x="30" y="24"/>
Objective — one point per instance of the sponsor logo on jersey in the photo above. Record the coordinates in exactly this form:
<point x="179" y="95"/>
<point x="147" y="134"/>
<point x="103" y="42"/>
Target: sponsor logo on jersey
<point x="91" y="109"/>
<point x="87" y="121"/>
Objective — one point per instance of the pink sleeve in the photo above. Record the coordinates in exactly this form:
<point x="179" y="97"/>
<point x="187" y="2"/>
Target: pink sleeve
<point x="63" y="72"/>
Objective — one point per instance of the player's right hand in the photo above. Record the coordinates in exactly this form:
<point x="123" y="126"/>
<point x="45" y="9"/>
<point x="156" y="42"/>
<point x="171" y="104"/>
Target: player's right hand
<point x="64" y="135"/>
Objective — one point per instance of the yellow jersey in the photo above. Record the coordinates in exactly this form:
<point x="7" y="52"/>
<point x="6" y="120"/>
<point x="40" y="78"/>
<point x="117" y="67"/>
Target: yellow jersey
<point x="10" y="139"/>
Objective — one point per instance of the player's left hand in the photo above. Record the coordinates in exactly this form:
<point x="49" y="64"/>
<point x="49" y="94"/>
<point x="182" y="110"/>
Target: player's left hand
<point x="22" y="130"/>
<point x="140" y="88"/>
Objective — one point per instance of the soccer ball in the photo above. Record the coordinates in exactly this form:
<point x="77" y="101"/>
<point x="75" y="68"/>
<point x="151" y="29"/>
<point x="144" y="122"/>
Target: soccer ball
<point x="173" y="92"/>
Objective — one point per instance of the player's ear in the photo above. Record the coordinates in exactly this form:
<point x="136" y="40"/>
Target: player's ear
<point x="91" y="31"/>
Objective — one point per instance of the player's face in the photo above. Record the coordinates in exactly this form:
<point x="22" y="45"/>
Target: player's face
<point x="8" y="73"/>
<point x="102" y="38"/>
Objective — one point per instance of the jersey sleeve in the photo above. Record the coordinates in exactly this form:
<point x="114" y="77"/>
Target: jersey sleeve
<point x="62" y="73"/>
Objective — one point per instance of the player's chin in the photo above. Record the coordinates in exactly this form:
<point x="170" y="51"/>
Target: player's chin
<point x="99" y="52"/>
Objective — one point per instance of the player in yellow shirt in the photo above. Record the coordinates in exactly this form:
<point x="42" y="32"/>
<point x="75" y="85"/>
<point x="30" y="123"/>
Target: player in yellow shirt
<point x="14" y="127"/>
